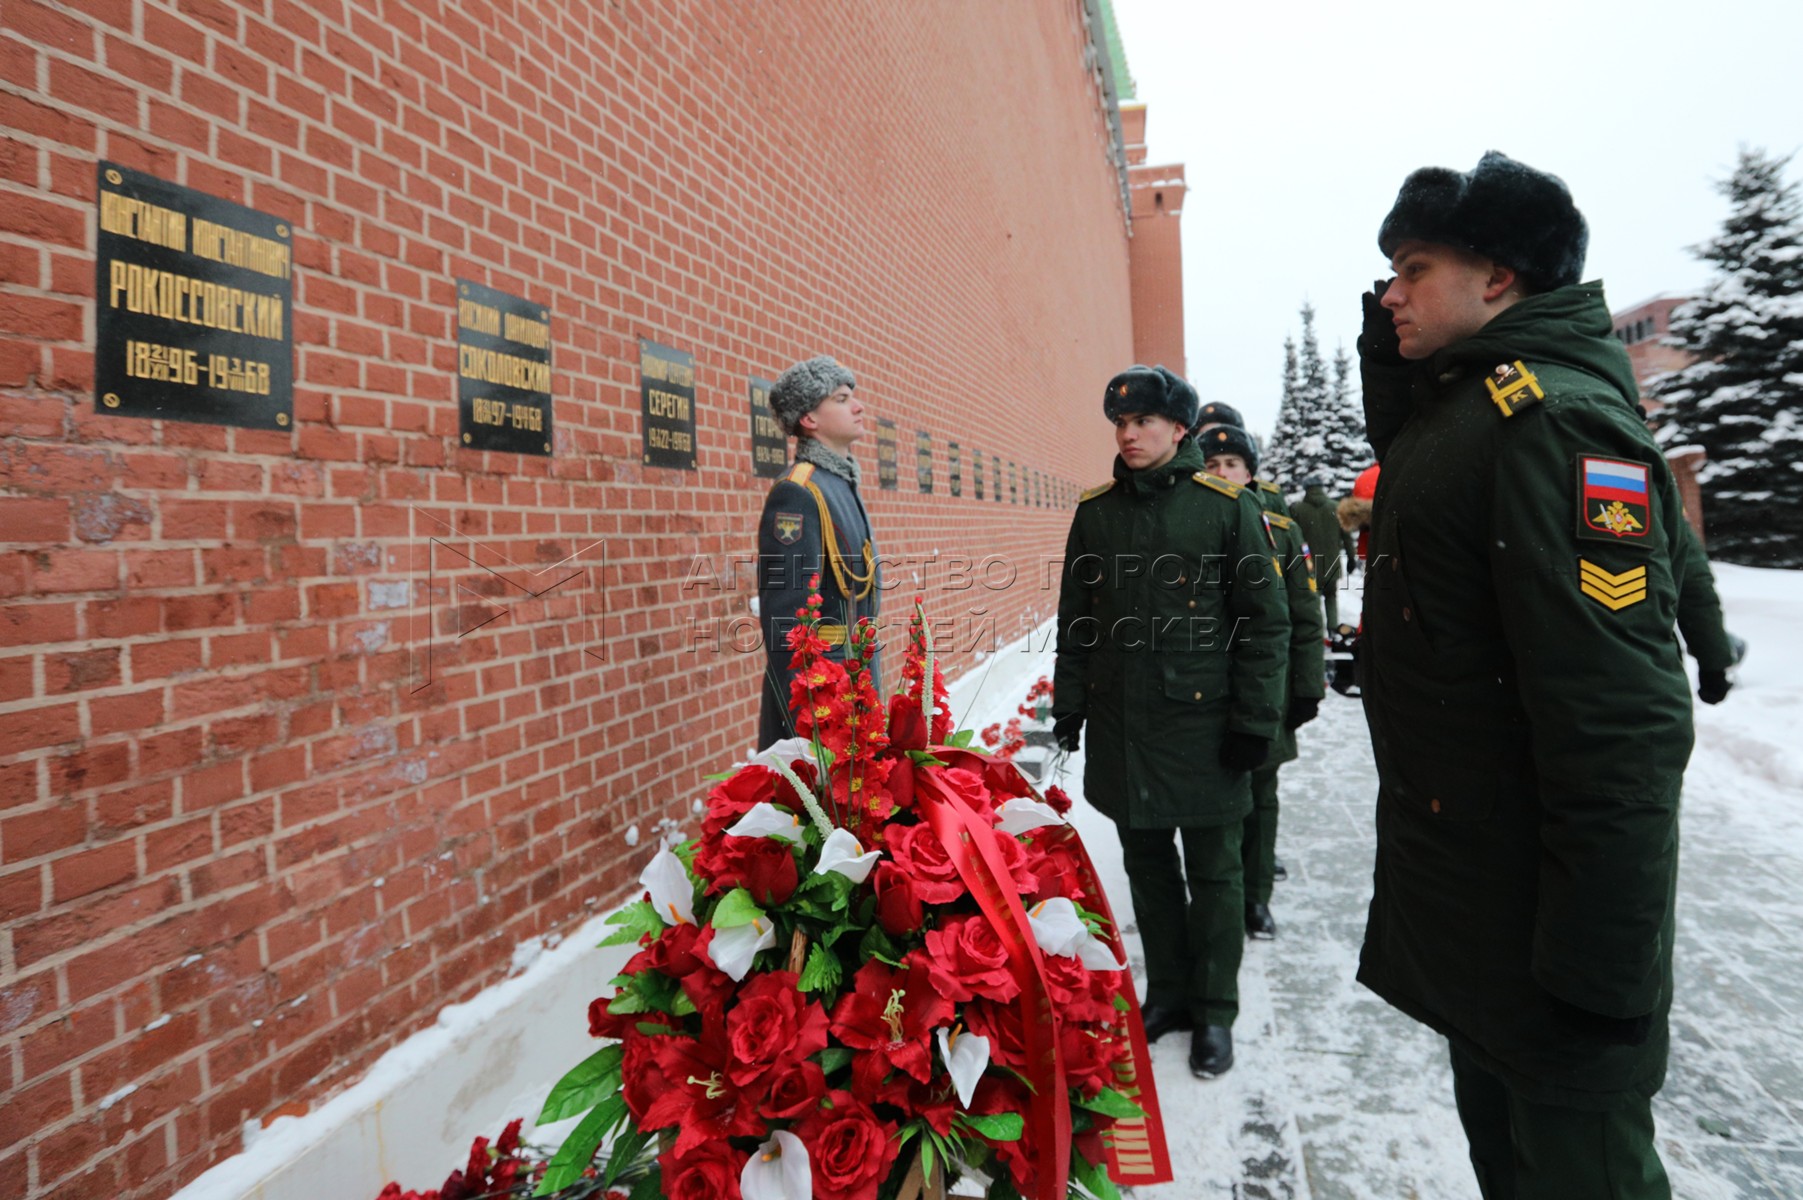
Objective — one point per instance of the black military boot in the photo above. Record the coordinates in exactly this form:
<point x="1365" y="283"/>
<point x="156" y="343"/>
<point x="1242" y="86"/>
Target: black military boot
<point x="1259" y="924"/>
<point x="1211" y="1052"/>
<point x="1160" y="1020"/>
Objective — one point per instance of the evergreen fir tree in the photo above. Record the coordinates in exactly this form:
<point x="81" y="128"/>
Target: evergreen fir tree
<point x="1742" y="400"/>
<point x="1320" y="430"/>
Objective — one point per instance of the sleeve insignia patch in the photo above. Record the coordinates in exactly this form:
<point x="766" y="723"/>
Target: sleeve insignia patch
<point x="1308" y="560"/>
<point x="1613" y="592"/>
<point x="1612" y="500"/>
<point x="788" y="527"/>
<point x="1097" y="490"/>
<point x="1513" y="387"/>
<point x="1231" y="490"/>
<point x="1271" y="537"/>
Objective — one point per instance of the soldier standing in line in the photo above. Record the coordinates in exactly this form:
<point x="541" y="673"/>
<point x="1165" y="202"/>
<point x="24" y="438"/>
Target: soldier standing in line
<point x="1332" y="547"/>
<point x="814" y="523"/>
<point x="1228" y="452"/>
<point x="1171" y="642"/>
<point x="1526" y="697"/>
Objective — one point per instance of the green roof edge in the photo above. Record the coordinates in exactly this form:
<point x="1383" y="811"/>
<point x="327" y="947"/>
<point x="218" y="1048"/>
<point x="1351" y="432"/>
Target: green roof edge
<point x="1117" y="54"/>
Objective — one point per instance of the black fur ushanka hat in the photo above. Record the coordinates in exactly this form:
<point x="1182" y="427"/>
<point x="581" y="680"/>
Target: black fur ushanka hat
<point x="1502" y="209"/>
<point x="1151" y="390"/>
<point x="1217" y="413"/>
<point x="1230" y="439"/>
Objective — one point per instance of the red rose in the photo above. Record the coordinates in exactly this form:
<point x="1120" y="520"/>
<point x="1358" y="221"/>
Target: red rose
<point x="1060" y="802"/>
<point x="1089" y="1059"/>
<point x="772" y="1024"/>
<point x="898" y="907"/>
<point x="794" y="1090"/>
<point x="763" y="866"/>
<point x="737" y="795"/>
<point x="917" y="850"/>
<point x="708" y="1172"/>
<point x="672" y="953"/>
<point x="968" y="959"/>
<point x="850" y="1151"/>
<point x="1072" y="994"/>
<point x="1001" y="1024"/>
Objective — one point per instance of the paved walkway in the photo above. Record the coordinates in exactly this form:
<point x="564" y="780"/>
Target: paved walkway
<point x="1335" y="1096"/>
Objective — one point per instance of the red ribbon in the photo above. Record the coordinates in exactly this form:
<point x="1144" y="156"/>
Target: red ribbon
<point x="970" y="842"/>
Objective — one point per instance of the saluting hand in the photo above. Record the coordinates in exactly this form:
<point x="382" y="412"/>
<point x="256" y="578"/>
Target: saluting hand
<point x="1378" y="343"/>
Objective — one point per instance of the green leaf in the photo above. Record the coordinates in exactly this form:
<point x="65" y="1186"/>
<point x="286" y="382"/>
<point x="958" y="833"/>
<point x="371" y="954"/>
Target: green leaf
<point x="997" y="1127"/>
<point x="685" y="854"/>
<point x="585" y="1085"/>
<point x="1120" y="1003"/>
<point x="927" y="1144"/>
<point x="1092" y="1178"/>
<point x="822" y="972"/>
<point x="626" y="1150"/>
<point x="635" y="921"/>
<point x="876" y="944"/>
<point x="681" y="1005"/>
<point x="627" y="1003"/>
<point x="578" y="1150"/>
<point x="717" y="776"/>
<point x="651" y="1187"/>
<point x="925" y="759"/>
<point x="1111" y="1103"/>
<point x="736" y="908"/>
<point x="832" y="1058"/>
<point x="961" y="739"/>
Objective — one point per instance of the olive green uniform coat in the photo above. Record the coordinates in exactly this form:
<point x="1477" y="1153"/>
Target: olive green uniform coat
<point x="1527" y="702"/>
<point x="1165" y="569"/>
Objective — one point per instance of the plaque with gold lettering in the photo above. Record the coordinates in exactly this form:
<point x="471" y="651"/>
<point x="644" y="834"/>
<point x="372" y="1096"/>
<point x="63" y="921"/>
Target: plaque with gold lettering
<point x="193" y="302"/>
<point x="886" y="456"/>
<point x="503" y="371"/>
<point x="995" y="475"/>
<point x="923" y="461"/>
<point x="769" y="444"/>
<point x="667" y="395"/>
<point x="954" y="469"/>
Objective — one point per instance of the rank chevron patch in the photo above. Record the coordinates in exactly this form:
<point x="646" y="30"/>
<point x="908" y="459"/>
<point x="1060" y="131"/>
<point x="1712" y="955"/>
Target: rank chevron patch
<point x="1613" y="592"/>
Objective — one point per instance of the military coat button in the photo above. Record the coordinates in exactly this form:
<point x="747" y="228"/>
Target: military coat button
<point x="1434" y="804"/>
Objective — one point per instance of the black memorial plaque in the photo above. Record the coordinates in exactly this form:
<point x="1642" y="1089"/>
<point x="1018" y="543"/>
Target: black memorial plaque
<point x="667" y="395"/>
<point x="976" y="473"/>
<point x="769" y="445"/>
<point x="923" y="461"/>
<point x="886" y="455"/>
<point x="1013" y="483"/>
<point x="995" y="475"/>
<point x="954" y="469"/>
<point x="503" y="371"/>
<point x="194" y="299"/>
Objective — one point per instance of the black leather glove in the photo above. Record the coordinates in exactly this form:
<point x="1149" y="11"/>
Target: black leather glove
<point x="1611" y="1031"/>
<point x="1378" y="343"/>
<point x="1302" y="711"/>
<point x="1244" y="752"/>
<point x="1712" y="686"/>
<point x="1068" y="732"/>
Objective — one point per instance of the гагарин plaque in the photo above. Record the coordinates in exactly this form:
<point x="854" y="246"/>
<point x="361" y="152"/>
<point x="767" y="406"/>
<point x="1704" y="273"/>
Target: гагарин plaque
<point x="923" y="461"/>
<point x="193" y="302"/>
<point x="886" y="455"/>
<point x="667" y="396"/>
<point x="769" y="445"/>
<point x="503" y="371"/>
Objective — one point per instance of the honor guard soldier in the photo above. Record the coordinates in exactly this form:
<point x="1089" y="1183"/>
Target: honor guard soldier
<point x="1526" y="697"/>
<point x="814" y="523"/>
<point x="1331" y="546"/>
<point x="1171" y="636"/>
<point x="1229" y="453"/>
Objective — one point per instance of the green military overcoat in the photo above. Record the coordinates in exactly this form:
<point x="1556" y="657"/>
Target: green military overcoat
<point x="1305" y="673"/>
<point x="1527" y="701"/>
<point x="1171" y="631"/>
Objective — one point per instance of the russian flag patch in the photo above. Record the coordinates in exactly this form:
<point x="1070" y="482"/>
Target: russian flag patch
<point x="1613" y="501"/>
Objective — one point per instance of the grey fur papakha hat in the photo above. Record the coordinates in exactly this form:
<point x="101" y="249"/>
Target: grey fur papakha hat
<point x="1504" y="210"/>
<point x="1153" y="391"/>
<point x="799" y="390"/>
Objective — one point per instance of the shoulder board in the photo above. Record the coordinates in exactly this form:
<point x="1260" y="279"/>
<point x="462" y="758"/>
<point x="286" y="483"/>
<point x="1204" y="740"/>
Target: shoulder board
<point x="1265" y="485"/>
<point x="1279" y="520"/>
<point x="800" y="473"/>
<point x="1513" y="387"/>
<point x="1095" y="491"/>
<point x="1231" y="490"/>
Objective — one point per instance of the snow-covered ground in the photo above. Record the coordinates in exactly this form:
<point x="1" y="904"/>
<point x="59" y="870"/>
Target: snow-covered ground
<point x="1333" y="1096"/>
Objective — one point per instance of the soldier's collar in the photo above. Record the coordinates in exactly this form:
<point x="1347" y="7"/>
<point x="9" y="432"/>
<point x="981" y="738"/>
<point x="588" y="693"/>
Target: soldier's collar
<point x="811" y="450"/>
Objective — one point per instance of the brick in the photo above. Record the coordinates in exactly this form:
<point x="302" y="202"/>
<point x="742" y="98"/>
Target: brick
<point x="92" y="871"/>
<point x="90" y="767"/>
<point x="34" y="520"/>
<point x="75" y="571"/>
<point x="41" y="726"/>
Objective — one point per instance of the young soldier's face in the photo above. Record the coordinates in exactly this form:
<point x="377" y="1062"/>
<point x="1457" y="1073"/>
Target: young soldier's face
<point x="839" y="421"/>
<point x="1438" y="296"/>
<point x="1230" y="467"/>
<point x="1145" y="440"/>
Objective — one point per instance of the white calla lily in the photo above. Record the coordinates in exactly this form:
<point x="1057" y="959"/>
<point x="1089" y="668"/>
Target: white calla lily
<point x="672" y="892"/>
<point x="1021" y="814"/>
<point x="1059" y="930"/>
<point x="778" y="1170"/>
<point x="733" y="949"/>
<point x="767" y="820"/>
<point x="783" y="752"/>
<point x="966" y="1056"/>
<point x="843" y="853"/>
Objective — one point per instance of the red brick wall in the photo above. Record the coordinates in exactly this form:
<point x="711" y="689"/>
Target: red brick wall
<point x="250" y="836"/>
<point x="1157" y="266"/>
